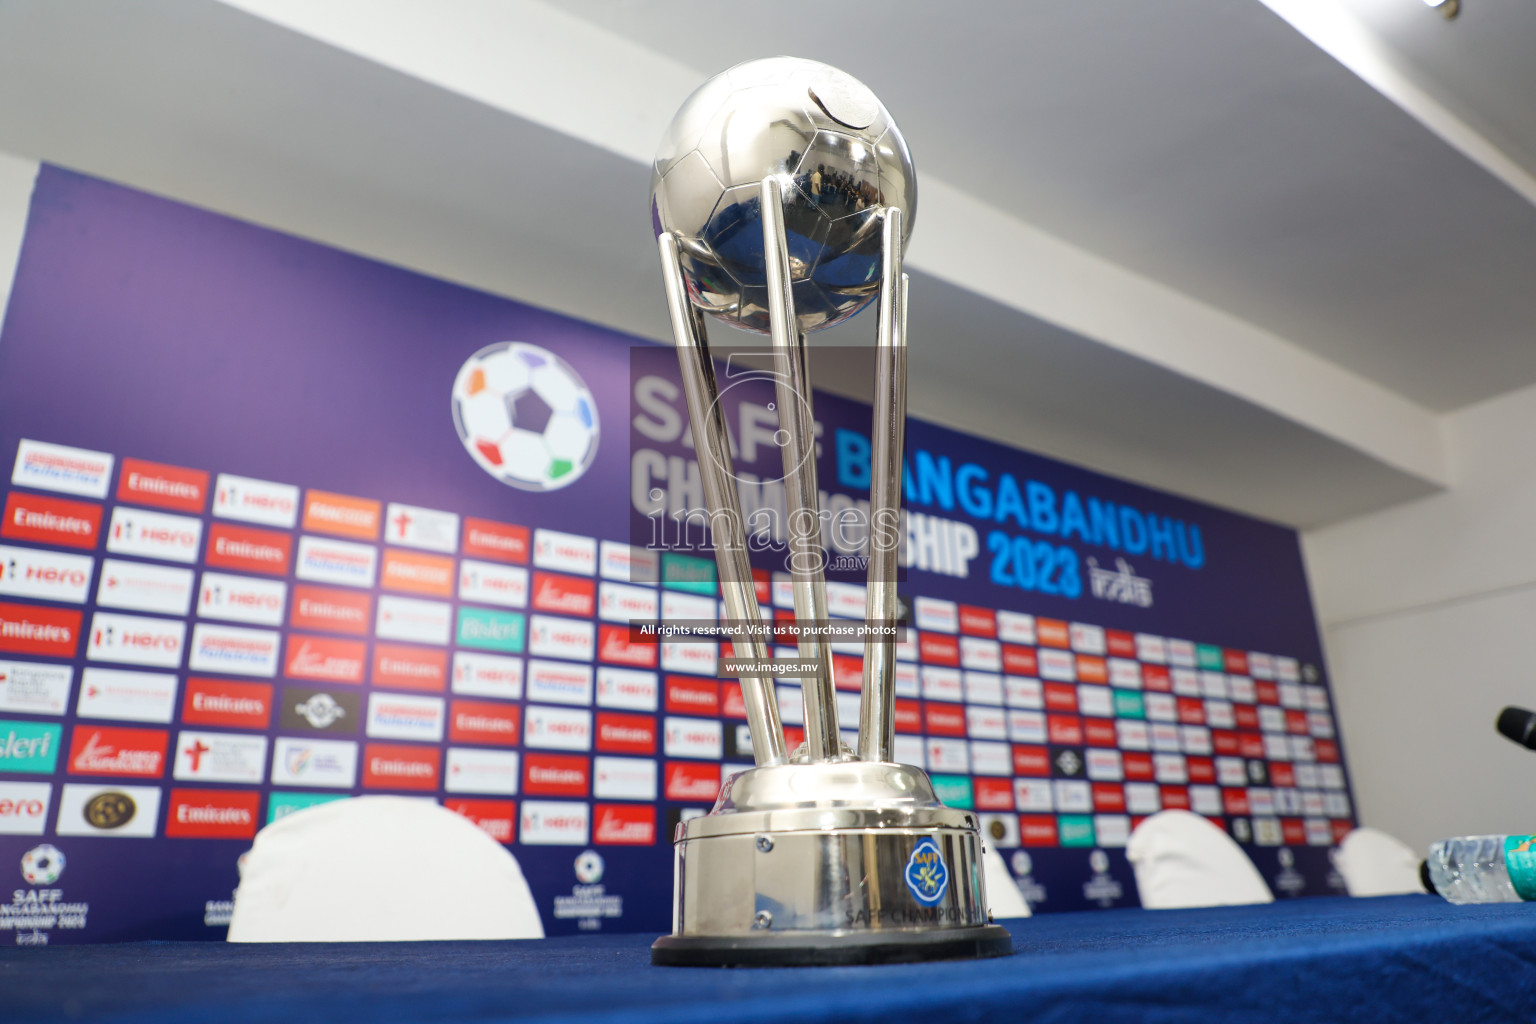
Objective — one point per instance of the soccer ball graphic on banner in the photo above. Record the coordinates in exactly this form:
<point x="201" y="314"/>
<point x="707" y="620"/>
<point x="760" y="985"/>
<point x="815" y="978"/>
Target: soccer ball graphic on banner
<point x="525" y="416"/>
<point x="42" y="865"/>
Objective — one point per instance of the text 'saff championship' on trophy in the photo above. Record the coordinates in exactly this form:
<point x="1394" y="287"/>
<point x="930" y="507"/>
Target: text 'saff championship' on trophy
<point x="782" y="199"/>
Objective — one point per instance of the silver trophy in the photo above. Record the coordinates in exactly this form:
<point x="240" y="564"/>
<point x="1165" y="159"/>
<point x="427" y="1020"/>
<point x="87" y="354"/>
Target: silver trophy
<point x="782" y="198"/>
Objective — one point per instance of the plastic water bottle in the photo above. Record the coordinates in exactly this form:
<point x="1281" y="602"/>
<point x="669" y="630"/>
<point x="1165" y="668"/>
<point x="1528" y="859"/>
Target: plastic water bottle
<point x="1484" y="869"/>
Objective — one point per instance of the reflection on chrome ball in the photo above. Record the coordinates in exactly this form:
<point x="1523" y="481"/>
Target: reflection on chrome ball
<point x="841" y="160"/>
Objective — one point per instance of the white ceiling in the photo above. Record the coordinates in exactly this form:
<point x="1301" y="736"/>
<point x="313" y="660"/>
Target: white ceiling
<point x="1207" y="145"/>
<point x="1143" y="223"/>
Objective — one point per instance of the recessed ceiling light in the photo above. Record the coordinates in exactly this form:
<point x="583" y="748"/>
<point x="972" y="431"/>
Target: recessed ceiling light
<point x="1449" y="8"/>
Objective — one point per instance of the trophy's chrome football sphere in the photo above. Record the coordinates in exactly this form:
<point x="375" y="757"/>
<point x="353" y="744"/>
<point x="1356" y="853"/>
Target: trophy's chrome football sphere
<point x="840" y="158"/>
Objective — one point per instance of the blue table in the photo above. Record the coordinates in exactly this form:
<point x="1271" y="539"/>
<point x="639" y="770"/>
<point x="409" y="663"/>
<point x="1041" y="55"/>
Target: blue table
<point x="1399" y="958"/>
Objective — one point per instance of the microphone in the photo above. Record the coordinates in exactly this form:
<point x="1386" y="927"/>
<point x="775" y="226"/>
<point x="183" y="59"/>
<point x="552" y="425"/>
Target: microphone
<point x="1519" y="725"/>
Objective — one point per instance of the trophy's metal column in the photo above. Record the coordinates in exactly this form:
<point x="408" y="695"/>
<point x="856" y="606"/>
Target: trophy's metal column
<point x="783" y="196"/>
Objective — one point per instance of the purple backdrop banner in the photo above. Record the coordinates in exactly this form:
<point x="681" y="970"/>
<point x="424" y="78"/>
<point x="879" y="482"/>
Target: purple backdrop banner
<point x="287" y="525"/>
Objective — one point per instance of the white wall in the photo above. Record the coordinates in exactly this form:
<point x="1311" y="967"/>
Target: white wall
<point x="16" y="178"/>
<point x="1429" y="618"/>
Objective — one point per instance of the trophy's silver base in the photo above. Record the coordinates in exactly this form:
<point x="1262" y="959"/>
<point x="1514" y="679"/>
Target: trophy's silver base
<point x="845" y="862"/>
<point x="831" y="949"/>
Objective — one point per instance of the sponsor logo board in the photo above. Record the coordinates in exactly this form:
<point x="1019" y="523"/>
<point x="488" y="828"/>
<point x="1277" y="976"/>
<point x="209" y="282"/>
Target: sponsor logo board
<point x="171" y="538"/>
<point x="395" y="716"/>
<point x="413" y="619"/>
<point x="557" y="637"/>
<point x="109" y="750"/>
<point x="503" y="542"/>
<point x="49" y="575"/>
<point x="331" y="764"/>
<point x="241" y="599"/>
<point x="400" y="766"/>
<point x="223" y="702"/>
<point x="57" y="467"/>
<point x="154" y="483"/>
<point x="623" y="825"/>
<point x="330" y="610"/>
<point x="425" y="528"/>
<point x="143" y="587"/>
<point x="342" y="562"/>
<point x="564" y="552"/>
<point x="487" y="675"/>
<point x="414" y="573"/>
<point x="212" y="814"/>
<point x="486" y="722"/>
<point x="129" y="696"/>
<point x="31" y="747"/>
<point x="627" y="688"/>
<point x="325" y="659"/>
<point x="496" y="818"/>
<point x="136" y="640"/>
<point x="483" y="771"/>
<point x="488" y="629"/>
<point x="126" y="812"/>
<point x="308" y="709"/>
<point x="33" y="688"/>
<point x="248" y="549"/>
<point x="409" y="668"/>
<point x="490" y="583"/>
<point x="24" y="807"/>
<point x="72" y="524"/>
<point x="559" y="682"/>
<point x="32" y="629"/>
<point x="624" y="778"/>
<point x="234" y="650"/>
<point x="551" y="728"/>
<point x="553" y="823"/>
<point x="255" y="501"/>
<point x="341" y="515"/>
<point x="220" y="757"/>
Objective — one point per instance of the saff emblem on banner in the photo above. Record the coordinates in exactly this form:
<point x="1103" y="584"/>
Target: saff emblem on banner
<point x="926" y="874"/>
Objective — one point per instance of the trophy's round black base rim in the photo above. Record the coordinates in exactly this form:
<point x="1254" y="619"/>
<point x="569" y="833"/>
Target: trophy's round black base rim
<point x="813" y="950"/>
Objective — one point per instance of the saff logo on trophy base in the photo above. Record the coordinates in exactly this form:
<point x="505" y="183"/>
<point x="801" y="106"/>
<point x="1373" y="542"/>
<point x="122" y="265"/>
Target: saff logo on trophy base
<point x="782" y="199"/>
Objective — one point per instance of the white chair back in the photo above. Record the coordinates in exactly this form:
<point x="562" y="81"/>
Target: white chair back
<point x="1003" y="896"/>
<point x="1182" y="860"/>
<point x="1375" y="863"/>
<point x="380" y="869"/>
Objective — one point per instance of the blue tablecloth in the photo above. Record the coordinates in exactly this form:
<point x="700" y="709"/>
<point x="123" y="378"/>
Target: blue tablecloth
<point x="1400" y="958"/>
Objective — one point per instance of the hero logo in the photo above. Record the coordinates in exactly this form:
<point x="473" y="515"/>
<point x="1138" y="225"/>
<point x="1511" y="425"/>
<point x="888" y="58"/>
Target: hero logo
<point x="24" y="807"/>
<point x="618" y="602"/>
<point x="564" y="551"/>
<point x="553" y="823"/>
<point x="255" y="501"/>
<point x="221" y="596"/>
<point x="626" y="688"/>
<point x="558" y="728"/>
<point x="45" y="574"/>
<point x="487" y="582"/>
<point x="692" y="737"/>
<point x="154" y="535"/>
<point x="487" y="675"/>
<point x="561" y="638"/>
<point x="136" y="640"/>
